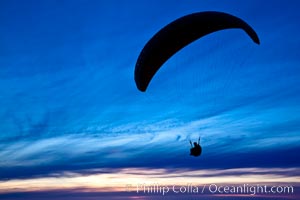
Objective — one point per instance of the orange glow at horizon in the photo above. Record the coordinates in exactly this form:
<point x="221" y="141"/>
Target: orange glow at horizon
<point x="133" y="177"/>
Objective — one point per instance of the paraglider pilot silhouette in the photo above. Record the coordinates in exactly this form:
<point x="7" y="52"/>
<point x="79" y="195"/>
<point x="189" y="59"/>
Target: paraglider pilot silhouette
<point x="197" y="149"/>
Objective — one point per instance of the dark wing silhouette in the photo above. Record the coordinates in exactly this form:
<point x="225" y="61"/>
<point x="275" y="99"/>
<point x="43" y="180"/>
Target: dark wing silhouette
<point x="177" y="35"/>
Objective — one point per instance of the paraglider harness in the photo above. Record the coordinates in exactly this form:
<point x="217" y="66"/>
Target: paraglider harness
<point x="196" y="150"/>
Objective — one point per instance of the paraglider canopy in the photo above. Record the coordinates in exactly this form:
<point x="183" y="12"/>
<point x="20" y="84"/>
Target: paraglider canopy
<point x="178" y="34"/>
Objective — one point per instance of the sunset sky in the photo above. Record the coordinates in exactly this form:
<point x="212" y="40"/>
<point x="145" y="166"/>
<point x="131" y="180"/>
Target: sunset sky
<point x="73" y="123"/>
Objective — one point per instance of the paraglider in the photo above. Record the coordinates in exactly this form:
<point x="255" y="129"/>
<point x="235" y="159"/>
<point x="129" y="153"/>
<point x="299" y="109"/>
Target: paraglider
<point x="175" y="36"/>
<point x="178" y="34"/>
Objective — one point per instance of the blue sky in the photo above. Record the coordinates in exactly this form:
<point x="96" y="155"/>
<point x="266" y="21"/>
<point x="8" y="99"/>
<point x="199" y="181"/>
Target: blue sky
<point x="69" y="103"/>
